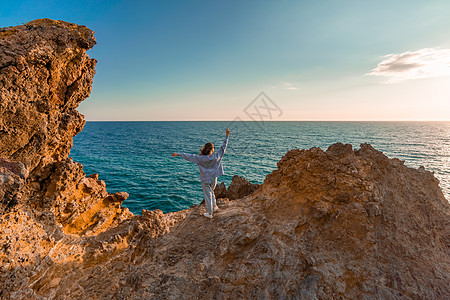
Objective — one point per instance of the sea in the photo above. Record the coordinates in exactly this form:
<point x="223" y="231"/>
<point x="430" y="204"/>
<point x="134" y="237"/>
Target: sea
<point x="136" y="157"/>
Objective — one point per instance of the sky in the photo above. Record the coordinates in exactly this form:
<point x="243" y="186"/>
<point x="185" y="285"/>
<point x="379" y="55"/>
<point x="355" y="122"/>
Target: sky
<point x="250" y="60"/>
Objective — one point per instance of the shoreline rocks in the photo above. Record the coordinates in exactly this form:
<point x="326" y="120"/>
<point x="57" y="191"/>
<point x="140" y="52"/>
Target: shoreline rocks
<point x="239" y="188"/>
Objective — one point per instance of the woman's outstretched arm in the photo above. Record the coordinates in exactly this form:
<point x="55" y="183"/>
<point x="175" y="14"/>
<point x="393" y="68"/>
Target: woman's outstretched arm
<point x="189" y="157"/>
<point x="222" y="149"/>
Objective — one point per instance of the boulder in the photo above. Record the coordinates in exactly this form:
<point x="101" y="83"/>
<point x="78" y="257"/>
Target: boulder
<point x="239" y="188"/>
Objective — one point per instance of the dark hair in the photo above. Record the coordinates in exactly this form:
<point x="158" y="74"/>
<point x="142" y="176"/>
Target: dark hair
<point x="207" y="149"/>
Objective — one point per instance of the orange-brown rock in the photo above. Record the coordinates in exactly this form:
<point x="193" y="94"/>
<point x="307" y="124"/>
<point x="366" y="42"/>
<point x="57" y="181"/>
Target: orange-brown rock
<point x="239" y="188"/>
<point x="45" y="197"/>
<point x="44" y="75"/>
<point x="337" y="224"/>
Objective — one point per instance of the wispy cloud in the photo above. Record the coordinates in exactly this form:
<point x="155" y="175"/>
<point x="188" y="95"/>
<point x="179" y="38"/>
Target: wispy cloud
<point x="424" y="63"/>
<point x="285" y="86"/>
<point x="288" y="86"/>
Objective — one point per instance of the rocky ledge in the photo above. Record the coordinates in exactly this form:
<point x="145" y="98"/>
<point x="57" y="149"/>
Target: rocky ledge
<point x="337" y="224"/>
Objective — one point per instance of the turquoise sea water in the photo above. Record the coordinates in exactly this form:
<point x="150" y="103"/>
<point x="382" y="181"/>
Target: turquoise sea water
<point x="135" y="157"/>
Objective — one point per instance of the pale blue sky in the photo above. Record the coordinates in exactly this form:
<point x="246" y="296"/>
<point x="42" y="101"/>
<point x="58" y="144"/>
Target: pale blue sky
<point x="206" y="60"/>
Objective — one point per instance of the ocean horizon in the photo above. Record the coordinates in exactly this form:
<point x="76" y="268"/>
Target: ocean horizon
<point x="135" y="156"/>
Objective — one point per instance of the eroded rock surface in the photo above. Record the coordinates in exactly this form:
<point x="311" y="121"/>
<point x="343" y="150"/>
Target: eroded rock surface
<point x="45" y="197"/>
<point x="337" y="224"/>
<point x="239" y="188"/>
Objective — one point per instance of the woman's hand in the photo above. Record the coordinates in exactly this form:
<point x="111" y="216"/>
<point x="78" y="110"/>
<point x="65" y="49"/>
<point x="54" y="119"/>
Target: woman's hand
<point x="174" y="154"/>
<point x="228" y="132"/>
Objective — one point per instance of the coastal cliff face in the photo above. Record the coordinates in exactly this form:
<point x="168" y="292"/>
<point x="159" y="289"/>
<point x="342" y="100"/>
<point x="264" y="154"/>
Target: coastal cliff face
<point x="44" y="75"/>
<point x="337" y="224"/>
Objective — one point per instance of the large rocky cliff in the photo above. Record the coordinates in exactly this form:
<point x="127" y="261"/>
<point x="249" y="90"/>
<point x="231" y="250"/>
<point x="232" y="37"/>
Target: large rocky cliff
<point x="337" y="224"/>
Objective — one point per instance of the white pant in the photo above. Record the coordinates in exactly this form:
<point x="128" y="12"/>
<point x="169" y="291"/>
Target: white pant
<point x="210" y="198"/>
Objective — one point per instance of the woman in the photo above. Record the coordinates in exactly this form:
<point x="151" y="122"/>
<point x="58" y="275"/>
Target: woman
<point x="210" y="166"/>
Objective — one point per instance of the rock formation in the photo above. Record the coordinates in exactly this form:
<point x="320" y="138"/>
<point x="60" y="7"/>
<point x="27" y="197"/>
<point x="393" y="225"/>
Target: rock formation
<point x="239" y="188"/>
<point x="44" y="195"/>
<point x="337" y="224"/>
<point x="44" y="75"/>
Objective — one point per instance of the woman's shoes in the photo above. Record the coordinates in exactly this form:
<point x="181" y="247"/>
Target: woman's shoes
<point x="208" y="215"/>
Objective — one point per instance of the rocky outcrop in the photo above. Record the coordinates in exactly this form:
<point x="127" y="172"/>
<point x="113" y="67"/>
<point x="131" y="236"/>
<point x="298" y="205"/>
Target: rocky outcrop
<point x="44" y="74"/>
<point x="44" y="195"/>
<point x="239" y="188"/>
<point x="337" y="224"/>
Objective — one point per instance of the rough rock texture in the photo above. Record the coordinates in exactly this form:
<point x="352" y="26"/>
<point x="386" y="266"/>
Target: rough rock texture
<point x="44" y="75"/>
<point x="335" y="224"/>
<point x="239" y="188"/>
